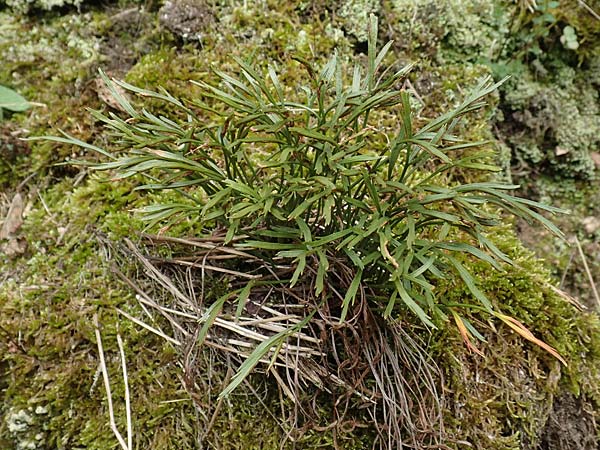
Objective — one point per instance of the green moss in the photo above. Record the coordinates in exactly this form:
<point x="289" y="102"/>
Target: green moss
<point x="60" y="47"/>
<point x="548" y="127"/>
<point x="504" y="400"/>
<point x="582" y="199"/>
<point x="49" y="68"/>
<point x="355" y="16"/>
<point x="22" y="7"/>
<point x="52" y="391"/>
<point x="56" y="69"/>
<point x="48" y="296"/>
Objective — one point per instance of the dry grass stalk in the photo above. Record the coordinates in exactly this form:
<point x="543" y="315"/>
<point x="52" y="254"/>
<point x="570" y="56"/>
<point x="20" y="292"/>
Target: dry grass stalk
<point x="588" y="273"/>
<point x="113" y="425"/>
<point x="325" y="356"/>
<point x="589" y="9"/>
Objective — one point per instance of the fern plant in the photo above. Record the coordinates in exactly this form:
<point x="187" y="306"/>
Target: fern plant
<point x="312" y="186"/>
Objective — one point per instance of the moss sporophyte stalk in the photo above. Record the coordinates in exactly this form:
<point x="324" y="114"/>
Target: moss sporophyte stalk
<point x="308" y="197"/>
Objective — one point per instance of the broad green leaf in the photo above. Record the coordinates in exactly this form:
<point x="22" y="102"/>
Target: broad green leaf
<point x="12" y="101"/>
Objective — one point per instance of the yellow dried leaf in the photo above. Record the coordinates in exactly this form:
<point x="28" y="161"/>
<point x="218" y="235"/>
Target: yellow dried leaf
<point x="524" y="332"/>
<point x="465" y="334"/>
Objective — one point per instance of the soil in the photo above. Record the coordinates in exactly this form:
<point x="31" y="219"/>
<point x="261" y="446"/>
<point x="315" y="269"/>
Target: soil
<point x="571" y="426"/>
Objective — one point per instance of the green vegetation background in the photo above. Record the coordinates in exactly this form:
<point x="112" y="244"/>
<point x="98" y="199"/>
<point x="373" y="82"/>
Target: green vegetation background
<point x="55" y="274"/>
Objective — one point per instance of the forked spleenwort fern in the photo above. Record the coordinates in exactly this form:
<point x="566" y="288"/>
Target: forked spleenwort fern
<point x="309" y="177"/>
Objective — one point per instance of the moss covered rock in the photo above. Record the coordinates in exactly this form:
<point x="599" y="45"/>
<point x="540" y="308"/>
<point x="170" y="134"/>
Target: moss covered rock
<point x="51" y="393"/>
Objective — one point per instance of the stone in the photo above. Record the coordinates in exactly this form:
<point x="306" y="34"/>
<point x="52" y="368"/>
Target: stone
<point x="187" y="19"/>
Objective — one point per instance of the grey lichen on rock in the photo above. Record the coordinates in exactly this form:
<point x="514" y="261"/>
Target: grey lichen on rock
<point x="24" y="6"/>
<point x="355" y="16"/>
<point x="27" y="427"/>
<point x="554" y="122"/>
<point x="471" y="28"/>
<point x="47" y="294"/>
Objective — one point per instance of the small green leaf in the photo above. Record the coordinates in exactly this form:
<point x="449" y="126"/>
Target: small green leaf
<point x="470" y="282"/>
<point x="321" y="271"/>
<point x="68" y="139"/>
<point x="210" y="315"/>
<point x="354" y="258"/>
<point x="263" y="349"/>
<point x="327" y="207"/>
<point x="268" y="245"/>
<point x="121" y="100"/>
<point x="304" y="229"/>
<point x="410" y="222"/>
<point x="413" y="306"/>
<point x="350" y="295"/>
<point x="390" y="305"/>
<point x="300" y="266"/>
<point x="241" y="301"/>
<point x="312" y="134"/>
<point x="467" y="248"/>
